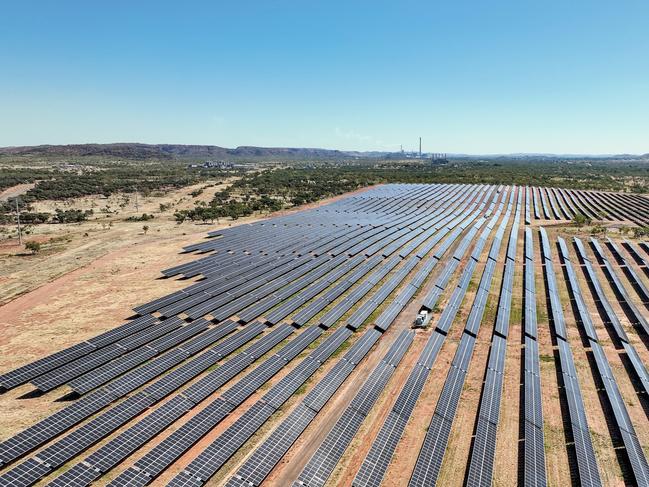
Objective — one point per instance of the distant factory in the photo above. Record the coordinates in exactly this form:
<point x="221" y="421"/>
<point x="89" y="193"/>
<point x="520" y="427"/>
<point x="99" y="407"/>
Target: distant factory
<point x="437" y="158"/>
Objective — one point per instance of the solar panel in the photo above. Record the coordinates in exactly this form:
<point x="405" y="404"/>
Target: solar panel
<point x="131" y="478"/>
<point x="331" y="450"/>
<point x="78" y="475"/>
<point x="240" y="391"/>
<point x="269" y="340"/>
<point x="185" y="480"/>
<point x="53" y="425"/>
<point x="208" y="338"/>
<point x="484" y="447"/>
<point x="23" y="374"/>
<point x="620" y="415"/>
<point x="103" y="374"/>
<point x="376" y="463"/>
<point x="146" y="372"/>
<point x="330" y="345"/>
<point x="162" y="455"/>
<point x="73" y="369"/>
<point x="322" y="392"/>
<point x="295" y="346"/>
<point x="80" y="439"/>
<point x="252" y="268"/>
<point x="256" y="468"/>
<point x="217" y="453"/>
<point x="434" y="447"/>
<point x="212" y="458"/>
<point x="586" y="461"/>
<point x="26" y="473"/>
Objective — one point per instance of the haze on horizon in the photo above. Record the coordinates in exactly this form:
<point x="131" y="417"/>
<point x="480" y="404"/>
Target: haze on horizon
<point x="468" y="76"/>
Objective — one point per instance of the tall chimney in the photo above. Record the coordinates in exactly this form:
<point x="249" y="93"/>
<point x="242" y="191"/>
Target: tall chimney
<point x="419" y="147"/>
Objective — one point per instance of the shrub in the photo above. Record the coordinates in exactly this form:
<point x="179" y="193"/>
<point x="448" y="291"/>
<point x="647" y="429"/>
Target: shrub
<point x="145" y="217"/>
<point x="71" y="216"/>
<point x="641" y="232"/>
<point x="33" y="246"/>
<point x="581" y="220"/>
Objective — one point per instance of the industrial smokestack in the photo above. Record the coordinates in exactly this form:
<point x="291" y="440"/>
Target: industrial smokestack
<point x="420" y="147"/>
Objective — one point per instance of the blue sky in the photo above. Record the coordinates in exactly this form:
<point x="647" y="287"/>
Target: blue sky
<point x="468" y="76"/>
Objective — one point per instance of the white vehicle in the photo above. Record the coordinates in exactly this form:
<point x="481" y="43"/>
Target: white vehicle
<point x="421" y="320"/>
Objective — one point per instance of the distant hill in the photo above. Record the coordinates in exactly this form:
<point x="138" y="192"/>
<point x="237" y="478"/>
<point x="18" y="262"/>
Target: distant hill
<point x="172" y="151"/>
<point x="137" y="151"/>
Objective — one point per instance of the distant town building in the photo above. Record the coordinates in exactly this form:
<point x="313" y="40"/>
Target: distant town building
<point x="212" y="165"/>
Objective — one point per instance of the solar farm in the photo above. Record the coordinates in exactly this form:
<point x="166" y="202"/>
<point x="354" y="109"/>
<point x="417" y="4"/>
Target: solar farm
<point x="290" y="359"/>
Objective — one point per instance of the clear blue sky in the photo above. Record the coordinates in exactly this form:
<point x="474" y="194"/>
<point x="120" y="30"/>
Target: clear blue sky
<point x="468" y="76"/>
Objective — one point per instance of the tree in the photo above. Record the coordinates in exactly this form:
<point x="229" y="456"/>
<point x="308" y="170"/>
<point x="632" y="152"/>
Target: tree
<point x="581" y="220"/>
<point x="640" y="232"/>
<point x="217" y="212"/>
<point x="34" y="246"/>
<point x="181" y="216"/>
<point x="145" y="228"/>
<point x="34" y="217"/>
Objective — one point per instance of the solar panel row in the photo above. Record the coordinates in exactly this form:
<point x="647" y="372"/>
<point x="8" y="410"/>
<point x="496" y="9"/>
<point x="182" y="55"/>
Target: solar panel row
<point x="483" y="450"/>
<point x="390" y="223"/>
<point x="534" y="469"/>
<point x="528" y="195"/>
<point x="621" y="293"/>
<point x="376" y="462"/>
<point x="158" y="420"/>
<point x="432" y="452"/>
<point x="362" y="313"/>
<point x="586" y="461"/>
<point x="54" y="425"/>
<point x="30" y="371"/>
<point x="246" y="283"/>
<point x="635" y="455"/>
<point x="637" y="256"/>
<point x="221" y="449"/>
<point x="102" y="374"/>
<point x="321" y="465"/>
<point x="645" y="247"/>
<point x="554" y="203"/>
<point x="257" y="467"/>
<point x="387" y="317"/>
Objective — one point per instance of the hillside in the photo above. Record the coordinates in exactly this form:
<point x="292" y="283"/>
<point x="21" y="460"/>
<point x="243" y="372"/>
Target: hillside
<point x="170" y="151"/>
<point x="139" y="151"/>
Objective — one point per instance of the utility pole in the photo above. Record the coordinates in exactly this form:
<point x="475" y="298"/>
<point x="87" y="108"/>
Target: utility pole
<point x="20" y="232"/>
<point x="137" y="208"/>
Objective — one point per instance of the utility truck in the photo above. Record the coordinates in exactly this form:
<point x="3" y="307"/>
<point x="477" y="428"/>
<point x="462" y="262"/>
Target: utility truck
<point x="422" y="319"/>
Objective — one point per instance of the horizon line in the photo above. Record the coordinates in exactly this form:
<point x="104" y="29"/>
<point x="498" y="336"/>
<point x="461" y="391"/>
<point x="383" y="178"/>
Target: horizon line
<point x="456" y="154"/>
